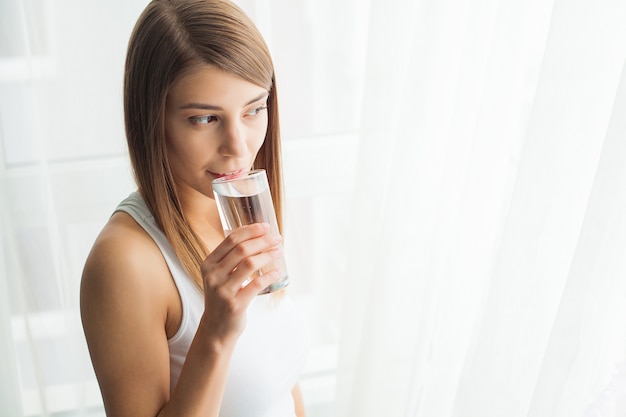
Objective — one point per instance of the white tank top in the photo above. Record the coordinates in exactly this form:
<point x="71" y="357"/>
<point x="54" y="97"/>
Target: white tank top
<point x="270" y="353"/>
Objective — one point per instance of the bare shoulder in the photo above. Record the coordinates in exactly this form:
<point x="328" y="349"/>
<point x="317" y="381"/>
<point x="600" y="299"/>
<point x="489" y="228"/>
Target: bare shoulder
<point x="125" y="264"/>
<point x="125" y="298"/>
<point x="123" y="257"/>
<point x="121" y="243"/>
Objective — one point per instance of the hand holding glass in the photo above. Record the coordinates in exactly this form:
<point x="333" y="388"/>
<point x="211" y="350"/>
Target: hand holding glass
<point x="245" y="199"/>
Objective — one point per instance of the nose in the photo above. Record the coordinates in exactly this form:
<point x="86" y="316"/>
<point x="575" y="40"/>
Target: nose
<point x="233" y="140"/>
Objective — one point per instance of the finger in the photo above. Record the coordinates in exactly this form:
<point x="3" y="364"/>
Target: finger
<point x="214" y="259"/>
<point x="241" y="263"/>
<point x="248" y="266"/>
<point x="246" y="250"/>
<point x="257" y="285"/>
<point x="237" y="236"/>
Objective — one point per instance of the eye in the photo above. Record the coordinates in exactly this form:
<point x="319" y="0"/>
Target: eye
<point x="256" y="110"/>
<point x="202" y="120"/>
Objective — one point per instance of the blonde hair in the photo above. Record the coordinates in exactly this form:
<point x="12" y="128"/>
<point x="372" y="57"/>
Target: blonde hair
<point x="170" y="38"/>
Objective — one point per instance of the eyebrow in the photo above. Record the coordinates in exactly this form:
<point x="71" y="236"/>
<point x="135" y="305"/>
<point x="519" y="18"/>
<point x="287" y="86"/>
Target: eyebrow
<point x="203" y="106"/>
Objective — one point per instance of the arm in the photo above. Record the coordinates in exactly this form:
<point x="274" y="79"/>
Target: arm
<point x="126" y="292"/>
<point x="124" y="303"/>
<point x="298" y="401"/>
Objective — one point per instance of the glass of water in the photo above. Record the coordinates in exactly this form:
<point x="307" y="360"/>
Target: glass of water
<point x="245" y="199"/>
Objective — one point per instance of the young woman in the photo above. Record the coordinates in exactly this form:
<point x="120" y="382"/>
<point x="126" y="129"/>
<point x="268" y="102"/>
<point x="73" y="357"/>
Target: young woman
<point x="171" y="329"/>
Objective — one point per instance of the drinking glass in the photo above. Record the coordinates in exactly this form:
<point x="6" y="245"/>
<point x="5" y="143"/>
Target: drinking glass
<point x="245" y="199"/>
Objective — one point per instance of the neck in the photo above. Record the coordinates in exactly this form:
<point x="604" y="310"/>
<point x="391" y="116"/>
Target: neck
<point x="201" y="213"/>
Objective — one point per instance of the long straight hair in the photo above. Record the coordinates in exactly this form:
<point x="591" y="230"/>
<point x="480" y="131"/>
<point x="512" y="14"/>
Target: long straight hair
<point x="171" y="38"/>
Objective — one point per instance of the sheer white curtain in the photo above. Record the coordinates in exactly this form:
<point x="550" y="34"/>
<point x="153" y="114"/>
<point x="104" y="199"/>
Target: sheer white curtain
<point x="487" y="262"/>
<point x="62" y="163"/>
<point x="456" y="199"/>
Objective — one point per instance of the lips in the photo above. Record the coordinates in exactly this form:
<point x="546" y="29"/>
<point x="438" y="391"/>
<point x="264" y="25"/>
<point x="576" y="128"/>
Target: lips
<point x="228" y="175"/>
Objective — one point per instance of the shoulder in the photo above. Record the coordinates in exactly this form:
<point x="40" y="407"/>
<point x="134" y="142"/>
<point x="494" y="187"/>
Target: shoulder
<point x="125" y="298"/>
<point x="124" y="268"/>
<point x="122" y="250"/>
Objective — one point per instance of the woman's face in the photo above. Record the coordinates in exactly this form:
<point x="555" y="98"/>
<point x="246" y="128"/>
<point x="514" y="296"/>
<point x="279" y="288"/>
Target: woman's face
<point x="215" y="124"/>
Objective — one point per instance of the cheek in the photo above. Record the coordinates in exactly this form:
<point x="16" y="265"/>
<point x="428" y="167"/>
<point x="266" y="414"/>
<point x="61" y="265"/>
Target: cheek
<point x="259" y="136"/>
<point x="189" y="154"/>
<point x="180" y="155"/>
<point x="256" y="145"/>
<point x="182" y="147"/>
<point x="172" y="146"/>
<point x="259" y="142"/>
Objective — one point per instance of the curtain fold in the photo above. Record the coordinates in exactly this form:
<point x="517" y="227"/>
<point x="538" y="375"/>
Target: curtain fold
<point x="10" y="398"/>
<point x="481" y="195"/>
<point x="591" y="308"/>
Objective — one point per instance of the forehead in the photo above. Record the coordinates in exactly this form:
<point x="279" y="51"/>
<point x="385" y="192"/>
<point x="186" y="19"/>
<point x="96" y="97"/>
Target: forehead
<point x="212" y="85"/>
